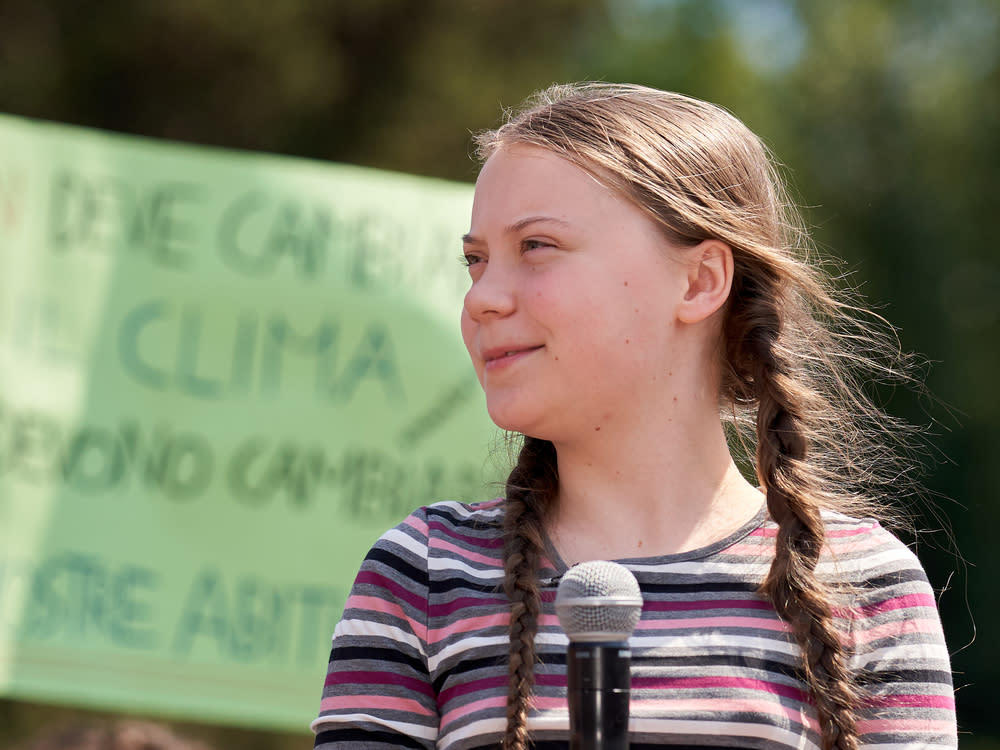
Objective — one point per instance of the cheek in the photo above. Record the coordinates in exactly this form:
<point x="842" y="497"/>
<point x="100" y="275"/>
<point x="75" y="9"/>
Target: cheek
<point x="469" y="337"/>
<point x="468" y="331"/>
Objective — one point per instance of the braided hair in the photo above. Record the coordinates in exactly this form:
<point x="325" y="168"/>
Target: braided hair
<point x="530" y="487"/>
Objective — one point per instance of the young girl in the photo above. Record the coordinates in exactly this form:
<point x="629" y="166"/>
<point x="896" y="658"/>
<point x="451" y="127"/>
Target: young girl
<point x="638" y="283"/>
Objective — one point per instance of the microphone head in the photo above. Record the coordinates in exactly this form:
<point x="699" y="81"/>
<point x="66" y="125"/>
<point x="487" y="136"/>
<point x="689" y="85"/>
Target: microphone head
<point x="598" y="601"/>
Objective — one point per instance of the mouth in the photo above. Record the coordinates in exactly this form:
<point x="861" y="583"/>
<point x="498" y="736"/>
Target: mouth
<point x="499" y="356"/>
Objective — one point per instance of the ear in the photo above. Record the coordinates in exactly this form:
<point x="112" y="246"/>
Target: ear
<point x="709" y="279"/>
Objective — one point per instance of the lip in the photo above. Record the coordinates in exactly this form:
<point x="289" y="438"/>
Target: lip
<point x="498" y="357"/>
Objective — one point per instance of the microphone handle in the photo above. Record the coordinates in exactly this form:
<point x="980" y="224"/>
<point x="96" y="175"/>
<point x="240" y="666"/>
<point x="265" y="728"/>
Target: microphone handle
<point x="598" y="693"/>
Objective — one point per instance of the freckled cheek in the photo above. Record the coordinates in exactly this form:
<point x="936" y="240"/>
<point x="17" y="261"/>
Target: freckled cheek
<point x="548" y="304"/>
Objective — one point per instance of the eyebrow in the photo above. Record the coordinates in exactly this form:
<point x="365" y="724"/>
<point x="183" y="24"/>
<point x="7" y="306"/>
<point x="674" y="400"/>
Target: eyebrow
<point x="517" y="226"/>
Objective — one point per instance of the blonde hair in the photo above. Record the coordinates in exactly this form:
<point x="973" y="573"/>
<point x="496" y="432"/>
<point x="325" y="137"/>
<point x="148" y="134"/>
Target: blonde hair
<point x="793" y="354"/>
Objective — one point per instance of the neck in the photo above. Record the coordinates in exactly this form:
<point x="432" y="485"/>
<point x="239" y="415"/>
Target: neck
<point x="675" y="493"/>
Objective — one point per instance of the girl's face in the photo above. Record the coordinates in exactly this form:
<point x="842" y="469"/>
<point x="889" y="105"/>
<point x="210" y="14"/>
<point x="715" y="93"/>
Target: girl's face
<point x="570" y="320"/>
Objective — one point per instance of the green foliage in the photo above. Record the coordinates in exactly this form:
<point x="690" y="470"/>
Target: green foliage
<point x="885" y="113"/>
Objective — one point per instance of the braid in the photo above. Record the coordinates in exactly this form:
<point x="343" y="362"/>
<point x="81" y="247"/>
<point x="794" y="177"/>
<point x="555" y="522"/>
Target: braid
<point x="530" y="488"/>
<point x="784" y="404"/>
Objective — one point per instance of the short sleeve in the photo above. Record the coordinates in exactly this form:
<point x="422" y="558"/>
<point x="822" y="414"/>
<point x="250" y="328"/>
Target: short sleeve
<point x="378" y="692"/>
<point x="899" y="652"/>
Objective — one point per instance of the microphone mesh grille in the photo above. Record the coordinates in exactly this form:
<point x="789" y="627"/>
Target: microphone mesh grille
<point x="598" y="601"/>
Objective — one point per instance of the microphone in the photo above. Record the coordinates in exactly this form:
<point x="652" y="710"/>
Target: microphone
<point x="599" y="604"/>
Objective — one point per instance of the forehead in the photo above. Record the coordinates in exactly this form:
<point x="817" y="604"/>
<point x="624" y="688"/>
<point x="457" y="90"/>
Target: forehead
<point x="514" y="160"/>
<point x="523" y="178"/>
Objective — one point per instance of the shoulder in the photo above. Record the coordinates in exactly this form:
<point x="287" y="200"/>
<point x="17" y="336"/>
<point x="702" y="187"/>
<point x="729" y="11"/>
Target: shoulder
<point x="878" y="565"/>
<point x="866" y="543"/>
<point x="861" y="552"/>
<point x="469" y="515"/>
<point x="453" y="524"/>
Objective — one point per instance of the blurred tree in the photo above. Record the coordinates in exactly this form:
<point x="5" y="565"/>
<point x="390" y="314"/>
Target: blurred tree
<point x="886" y="113"/>
<point x="385" y="83"/>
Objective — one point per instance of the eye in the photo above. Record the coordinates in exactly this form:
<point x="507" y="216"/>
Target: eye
<point x="470" y="259"/>
<point x="534" y="244"/>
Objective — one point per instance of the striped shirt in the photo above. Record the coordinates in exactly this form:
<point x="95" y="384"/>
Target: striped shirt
<point x="419" y="656"/>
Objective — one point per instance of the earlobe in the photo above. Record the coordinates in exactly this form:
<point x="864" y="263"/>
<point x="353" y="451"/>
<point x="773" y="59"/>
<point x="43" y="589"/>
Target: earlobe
<point x="709" y="279"/>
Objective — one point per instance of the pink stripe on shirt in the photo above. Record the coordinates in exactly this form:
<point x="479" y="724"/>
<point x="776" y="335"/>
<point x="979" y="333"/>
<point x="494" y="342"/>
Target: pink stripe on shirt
<point x="464" y="554"/>
<point x="374" y="604"/>
<point x="913" y="701"/>
<point x="853" y="531"/>
<point x="397" y="589"/>
<point x="674" y="606"/>
<point x="369" y="702"/>
<point x="358" y="677"/>
<point x="900" y="602"/>
<point x="417" y="524"/>
<point x="660" y="708"/>
<point x="449" y="608"/>
<point x="708" y="683"/>
<point x="894" y="630"/>
<point x="469" y="708"/>
<point x="472" y="686"/>
<point x="760" y="623"/>
<point x="469" y="541"/>
<point x="469" y="624"/>
<point x="907" y="725"/>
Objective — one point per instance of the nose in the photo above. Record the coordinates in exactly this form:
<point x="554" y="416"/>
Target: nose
<point x="492" y="294"/>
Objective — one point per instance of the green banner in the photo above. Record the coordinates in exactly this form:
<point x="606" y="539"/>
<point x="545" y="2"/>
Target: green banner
<point x="222" y="375"/>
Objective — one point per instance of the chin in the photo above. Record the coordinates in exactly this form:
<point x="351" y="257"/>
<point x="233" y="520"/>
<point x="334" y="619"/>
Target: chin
<point x="507" y="417"/>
